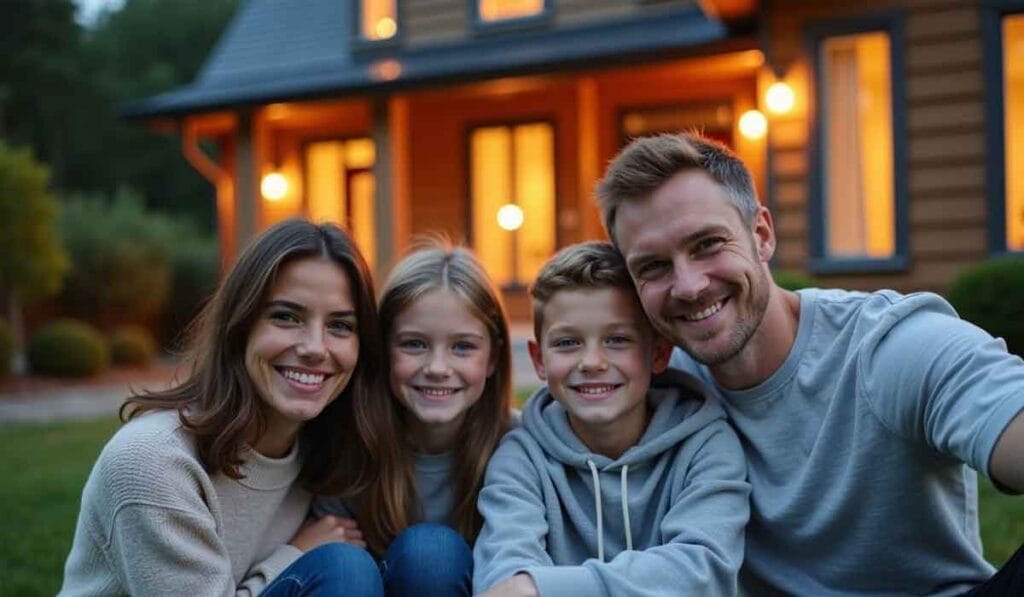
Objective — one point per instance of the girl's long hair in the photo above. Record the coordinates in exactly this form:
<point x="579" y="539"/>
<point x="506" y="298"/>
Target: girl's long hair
<point x="390" y="503"/>
<point x="217" y="401"/>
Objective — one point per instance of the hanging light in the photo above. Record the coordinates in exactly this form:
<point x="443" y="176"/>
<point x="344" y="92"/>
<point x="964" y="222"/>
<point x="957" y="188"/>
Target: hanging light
<point x="274" y="186"/>
<point x="779" y="98"/>
<point x="510" y="217"/>
<point x="385" y="28"/>
<point x="753" y="124"/>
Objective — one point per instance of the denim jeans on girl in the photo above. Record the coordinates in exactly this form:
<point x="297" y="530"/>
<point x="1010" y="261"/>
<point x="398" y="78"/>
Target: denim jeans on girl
<point x="425" y="559"/>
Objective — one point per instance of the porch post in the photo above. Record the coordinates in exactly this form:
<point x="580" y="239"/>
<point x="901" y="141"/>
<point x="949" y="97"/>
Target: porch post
<point x="246" y="191"/>
<point x="390" y="173"/>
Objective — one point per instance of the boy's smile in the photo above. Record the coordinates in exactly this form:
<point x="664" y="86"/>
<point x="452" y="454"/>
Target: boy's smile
<point x="597" y="353"/>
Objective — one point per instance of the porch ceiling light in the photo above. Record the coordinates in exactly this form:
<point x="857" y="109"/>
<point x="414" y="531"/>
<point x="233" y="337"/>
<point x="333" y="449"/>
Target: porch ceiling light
<point x="385" y="28"/>
<point x="510" y="217"/>
<point x="753" y="124"/>
<point x="274" y="186"/>
<point x="779" y="98"/>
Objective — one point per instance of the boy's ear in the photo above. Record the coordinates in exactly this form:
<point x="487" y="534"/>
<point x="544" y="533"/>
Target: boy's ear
<point x="661" y="354"/>
<point x="538" y="363"/>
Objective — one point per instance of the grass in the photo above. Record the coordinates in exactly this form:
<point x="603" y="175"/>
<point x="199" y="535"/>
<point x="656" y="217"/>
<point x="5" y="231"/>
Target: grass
<point x="45" y="466"/>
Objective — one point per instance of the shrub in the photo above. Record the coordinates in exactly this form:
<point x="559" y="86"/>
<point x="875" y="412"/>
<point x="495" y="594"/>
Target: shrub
<point x="195" y="267"/>
<point x="791" y="280"/>
<point x="67" y="348"/>
<point x="120" y="257"/>
<point x="989" y="295"/>
<point x="6" y="348"/>
<point x="132" y="345"/>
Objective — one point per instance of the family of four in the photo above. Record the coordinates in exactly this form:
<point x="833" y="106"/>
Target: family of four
<point x="323" y="441"/>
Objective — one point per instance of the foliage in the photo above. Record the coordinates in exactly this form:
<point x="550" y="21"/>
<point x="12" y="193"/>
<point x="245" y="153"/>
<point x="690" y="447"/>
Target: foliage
<point x="121" y="256"/>
<point x="6" y="348"/>
<point x="989" y="295"/>
<point x="793" y="280"/>
<point x="132" y="345"/>
<point x="67" y="348"/>
<point x="195" y="269"/>
<point x="32" y="261"/>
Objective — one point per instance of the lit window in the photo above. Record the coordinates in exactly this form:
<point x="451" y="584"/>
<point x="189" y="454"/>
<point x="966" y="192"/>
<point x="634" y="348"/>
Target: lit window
<point x="340" y="188"/>
<point x="501" y="10"/>
<point x="1013" y="106"/>
<point x="856" y="119"/>
<point x="379" y="19"/>
<point x="513" y="165"/>
<point x="712" y="119"/>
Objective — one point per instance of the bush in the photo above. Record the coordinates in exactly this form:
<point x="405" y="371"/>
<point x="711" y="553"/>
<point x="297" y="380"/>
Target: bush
<point x="67" y="348"/>
<point x="195" y="268"/>
<point x="791" y="280"/>
<point x="6" y="348"/>
<point x="132" y="345"/>
<point x="120" y="257"/>
<point x="989" y="295"/>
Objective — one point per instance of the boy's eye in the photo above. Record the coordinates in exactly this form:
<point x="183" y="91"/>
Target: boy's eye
<point x="618" y="340"/>
<point x="565" y="343"/>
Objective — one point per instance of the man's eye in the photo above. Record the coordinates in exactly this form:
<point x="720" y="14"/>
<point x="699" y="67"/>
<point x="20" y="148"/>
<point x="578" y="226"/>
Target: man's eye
<point x="651" y="269"/>
<point x="708" y="245"/>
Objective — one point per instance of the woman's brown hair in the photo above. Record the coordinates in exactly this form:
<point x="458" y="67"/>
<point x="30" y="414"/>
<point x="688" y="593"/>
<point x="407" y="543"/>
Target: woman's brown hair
<point x="217" y="401"/>
<point x="391" y="504"/>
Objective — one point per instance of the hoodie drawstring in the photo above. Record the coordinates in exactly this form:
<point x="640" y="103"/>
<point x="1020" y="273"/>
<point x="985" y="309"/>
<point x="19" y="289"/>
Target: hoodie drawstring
<point x="625" y="508"/>
<point x="600" y="516"/>
<point x="597" y="506"/>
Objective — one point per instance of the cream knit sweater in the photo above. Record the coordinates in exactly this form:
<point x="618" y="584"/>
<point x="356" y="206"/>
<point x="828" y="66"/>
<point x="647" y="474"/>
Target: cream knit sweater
<point x="153" y="522"/>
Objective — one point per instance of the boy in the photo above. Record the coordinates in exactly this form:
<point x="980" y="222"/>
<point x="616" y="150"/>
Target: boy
<point x="611" y="486"/>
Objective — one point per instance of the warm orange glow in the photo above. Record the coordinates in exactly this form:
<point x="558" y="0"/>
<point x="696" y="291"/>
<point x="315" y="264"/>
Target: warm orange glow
<point x="500" y="10"/>
<point x="753" y="124"/>
<point x="1013" y="106"/>
<point x="379" y="19"/>
<point x="274" y="186"/>
<point x="513" y="165"/>
<point x="388" y="69"/>
<point x="340" y="188"/>
<point x="779" y="99"/>
<point x="859" y="148"/>
<point x="510" y="217"/>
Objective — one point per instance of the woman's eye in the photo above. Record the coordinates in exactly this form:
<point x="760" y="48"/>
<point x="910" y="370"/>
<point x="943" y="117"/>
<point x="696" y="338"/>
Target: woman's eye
<point x="283" y="317"/>
<point x="342" y="326"/>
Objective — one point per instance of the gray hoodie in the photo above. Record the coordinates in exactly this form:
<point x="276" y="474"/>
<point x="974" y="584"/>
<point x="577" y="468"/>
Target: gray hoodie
<point x="665" y="518"/>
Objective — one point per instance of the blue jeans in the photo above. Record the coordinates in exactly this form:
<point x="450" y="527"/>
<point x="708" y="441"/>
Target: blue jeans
<point x="424" y="560"/>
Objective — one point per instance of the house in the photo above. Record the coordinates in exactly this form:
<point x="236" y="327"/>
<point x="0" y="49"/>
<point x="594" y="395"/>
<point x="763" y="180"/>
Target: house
<point x="882" y="134"/>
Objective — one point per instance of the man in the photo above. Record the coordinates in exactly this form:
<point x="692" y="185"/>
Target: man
<point x="861" y="415"/>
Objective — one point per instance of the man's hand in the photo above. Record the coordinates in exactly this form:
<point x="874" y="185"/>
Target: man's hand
<point x="520" y="585"/>
<point x="1007" y="465"/>
<point x="328" y="529"/>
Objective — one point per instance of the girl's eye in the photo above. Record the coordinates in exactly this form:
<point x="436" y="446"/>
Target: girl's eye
<point x="412" y="344"/>
<point x="464" y="347"/>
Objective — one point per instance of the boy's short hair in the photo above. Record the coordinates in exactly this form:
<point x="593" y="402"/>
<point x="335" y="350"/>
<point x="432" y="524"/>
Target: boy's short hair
<point x="594" y="264"/>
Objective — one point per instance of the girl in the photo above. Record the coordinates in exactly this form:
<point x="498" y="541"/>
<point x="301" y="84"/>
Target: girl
<point x="449" y="372"/>
<point x="206" y="487"/>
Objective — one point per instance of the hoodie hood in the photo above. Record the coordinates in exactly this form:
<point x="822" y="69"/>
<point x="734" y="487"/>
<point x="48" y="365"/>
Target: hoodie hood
<point x="679" y="406"/>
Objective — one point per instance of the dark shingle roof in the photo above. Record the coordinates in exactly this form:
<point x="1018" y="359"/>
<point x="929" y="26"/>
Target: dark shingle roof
<point x="274" y="50"/>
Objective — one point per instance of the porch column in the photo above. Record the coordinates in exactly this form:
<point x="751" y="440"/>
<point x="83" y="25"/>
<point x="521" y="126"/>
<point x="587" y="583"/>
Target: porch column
<point x="587" y="220"/>
<point x="246" y="187"/>
<point x="391" y="176"/>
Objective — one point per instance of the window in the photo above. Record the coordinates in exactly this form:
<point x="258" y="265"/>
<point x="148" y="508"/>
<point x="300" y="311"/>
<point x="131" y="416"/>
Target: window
<point x="340" y="188"/>
<point x="378" y="20"/>
<point x="492" y="11"/>
<point x="713" y="119"/>
<point x="1013" y="127"/>
<point x="857" y="206"/>
<point x="513" y="165"/>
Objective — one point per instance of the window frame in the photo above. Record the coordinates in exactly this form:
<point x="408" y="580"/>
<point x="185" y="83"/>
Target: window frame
<point x="815" y="34"/>
<point x="510" y="123"/>
<point x="992" y="14"/>
<point x="361" y="42"/>
<point x="482" y="27"/>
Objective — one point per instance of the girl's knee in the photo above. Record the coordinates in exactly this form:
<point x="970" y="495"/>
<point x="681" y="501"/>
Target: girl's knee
<point x="346" y="568"/>
<point x="431" y="559"/>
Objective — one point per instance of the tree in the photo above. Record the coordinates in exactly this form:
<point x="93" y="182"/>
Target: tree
<point x="32" y="260"/>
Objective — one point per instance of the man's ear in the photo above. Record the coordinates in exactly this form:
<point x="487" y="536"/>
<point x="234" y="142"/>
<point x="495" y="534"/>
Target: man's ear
<point x="764" y="234"/>
<point x="538" y="362"/>
<point x="662" y="353"/>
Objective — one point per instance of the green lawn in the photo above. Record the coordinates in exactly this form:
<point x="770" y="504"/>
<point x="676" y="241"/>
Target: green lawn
<point x="43" y="468"/>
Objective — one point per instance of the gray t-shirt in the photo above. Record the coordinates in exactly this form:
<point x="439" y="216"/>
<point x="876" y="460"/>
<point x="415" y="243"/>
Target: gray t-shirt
<point x="858" y="447"/>
<point x="434" y="486"/>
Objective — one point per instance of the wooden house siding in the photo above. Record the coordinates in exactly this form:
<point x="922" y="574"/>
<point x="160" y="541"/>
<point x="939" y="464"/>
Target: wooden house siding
<point x="433" y="21"/>
<point x="945" y="157"/>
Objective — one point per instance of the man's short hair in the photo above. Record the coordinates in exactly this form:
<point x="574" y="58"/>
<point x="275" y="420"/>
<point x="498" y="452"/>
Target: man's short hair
<point x="649" y="162"/>
<point x="587" y="265"/>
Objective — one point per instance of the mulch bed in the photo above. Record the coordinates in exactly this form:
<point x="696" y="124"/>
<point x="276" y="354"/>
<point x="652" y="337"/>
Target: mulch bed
<point x="151" y="376"/>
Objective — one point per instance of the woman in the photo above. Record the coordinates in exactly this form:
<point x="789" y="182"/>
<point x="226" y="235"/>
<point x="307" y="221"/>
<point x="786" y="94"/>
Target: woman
<point x="206" y="487"/>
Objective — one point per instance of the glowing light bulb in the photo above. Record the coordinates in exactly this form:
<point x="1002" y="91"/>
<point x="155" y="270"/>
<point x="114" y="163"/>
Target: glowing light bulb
<point x="510" y="217"/>
<point x="385" y="28"/>
<point x="274" y="186"/>
<point x="779" y="98"/>
<point x="753" y="124"/>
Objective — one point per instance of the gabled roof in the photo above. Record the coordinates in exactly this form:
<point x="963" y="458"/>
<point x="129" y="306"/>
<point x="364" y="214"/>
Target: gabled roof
<point x="277" y="50"/>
